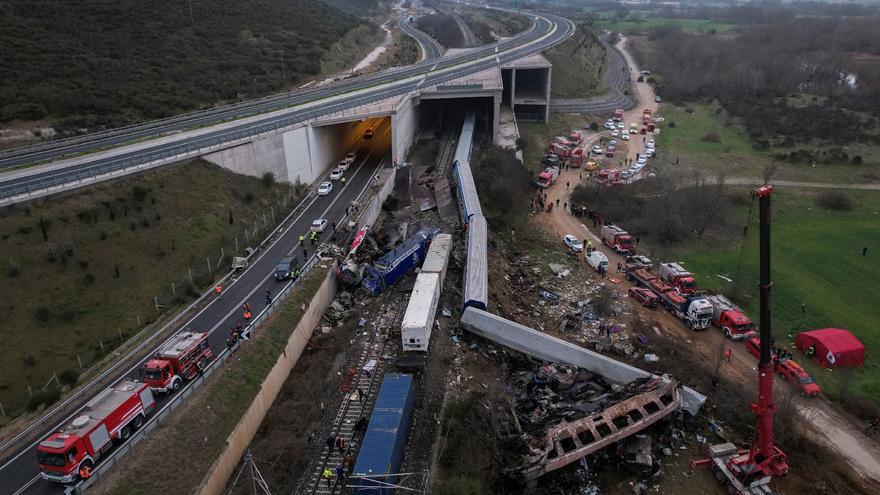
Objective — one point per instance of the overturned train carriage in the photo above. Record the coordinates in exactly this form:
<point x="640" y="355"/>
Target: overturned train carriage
<point x="476" y="277"/>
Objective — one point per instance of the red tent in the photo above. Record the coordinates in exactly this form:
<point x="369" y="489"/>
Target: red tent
<point x="834" y="347"/>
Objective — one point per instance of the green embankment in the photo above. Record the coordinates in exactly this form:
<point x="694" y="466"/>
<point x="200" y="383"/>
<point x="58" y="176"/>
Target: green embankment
<point x="108" y="251"/>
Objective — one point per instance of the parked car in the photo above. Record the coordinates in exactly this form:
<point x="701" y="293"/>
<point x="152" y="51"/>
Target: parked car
<point x="638" y="261"/>
<point x="624" y="135"/>
<point x="596" y="149"/>
<point x="615" y="133"/>
<point x="319" y="224"/>
<point x="287" y="268"/>
<point x="626" y="174"/>
<point x="649" y="152"/>
<point x="621" y="125"/>
<point x="794" y="373"/>
<point x="649" y="143"/>
<point x="349" y="157"/>
<point x="645" y="73"/>
<point x="368" y="134"/>
<point x="337" y="173"/>
<point x="591" y="166"/>
<point x="644" y="296"/>
<point x="657" y="99"/>
<point x="609" y="124"/>
<point x="610" y="152"/>
<point x="613" y="143"/>
<point x="325" y="188"/>
<point x="642" y="161"/>
<point x="573" y="243"/>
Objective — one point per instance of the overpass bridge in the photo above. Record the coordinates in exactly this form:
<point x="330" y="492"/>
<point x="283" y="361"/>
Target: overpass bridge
<point x="288" y="134"/>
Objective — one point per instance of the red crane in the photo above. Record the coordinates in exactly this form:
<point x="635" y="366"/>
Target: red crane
<point x="748" y="472"/>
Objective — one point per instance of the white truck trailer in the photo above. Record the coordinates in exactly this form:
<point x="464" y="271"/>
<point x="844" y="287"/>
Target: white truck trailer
<point x="437" y="259"/>
<point x="418" y="321"/>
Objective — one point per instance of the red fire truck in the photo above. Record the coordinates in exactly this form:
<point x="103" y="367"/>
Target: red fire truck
<point x="113" y="415"/>
<point x="181" y="358"/>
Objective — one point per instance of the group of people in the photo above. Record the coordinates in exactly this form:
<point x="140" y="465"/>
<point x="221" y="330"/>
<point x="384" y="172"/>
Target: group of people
<point x="240" y="332"/>
<point x="345" y="467"/>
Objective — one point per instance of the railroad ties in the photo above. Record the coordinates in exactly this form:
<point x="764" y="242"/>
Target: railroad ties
<point x="370" y="368"/>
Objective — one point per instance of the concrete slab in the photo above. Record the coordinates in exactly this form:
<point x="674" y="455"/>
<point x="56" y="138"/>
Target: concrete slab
<point x="535" y="61"/>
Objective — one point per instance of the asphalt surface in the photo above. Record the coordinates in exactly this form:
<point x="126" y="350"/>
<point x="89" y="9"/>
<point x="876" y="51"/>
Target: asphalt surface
<point x="221" y="315"/>
<point x="430" y="47"/>
<point x="614" y="77"/>
<point x="54" y="177"/>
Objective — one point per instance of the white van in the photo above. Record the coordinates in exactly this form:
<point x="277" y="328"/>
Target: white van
<point x="597" y="259"/>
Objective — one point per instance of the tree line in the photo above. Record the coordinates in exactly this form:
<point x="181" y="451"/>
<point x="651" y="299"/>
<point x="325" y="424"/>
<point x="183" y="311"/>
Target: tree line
<point x="86" y="64"/>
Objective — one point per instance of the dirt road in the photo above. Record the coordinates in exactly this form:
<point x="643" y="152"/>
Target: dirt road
<point x="823" y="420"/>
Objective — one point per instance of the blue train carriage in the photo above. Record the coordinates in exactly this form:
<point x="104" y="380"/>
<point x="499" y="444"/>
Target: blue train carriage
<point x="387" y="270"/>
<point x="476" y="277"/>
<point x="382" y="450"/>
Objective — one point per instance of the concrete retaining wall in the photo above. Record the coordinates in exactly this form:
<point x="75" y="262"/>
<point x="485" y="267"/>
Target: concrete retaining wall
<point x="404" y="123"/>
<point x="374" y="205"/>
<point x="215" y="480"/>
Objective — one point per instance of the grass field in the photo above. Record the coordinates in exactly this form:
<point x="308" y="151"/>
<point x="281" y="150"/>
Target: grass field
<point x="111" y="248"/>
<point x="641" y="25"/>
<point x="706" y="139"/>
<point x="817" y="262"/>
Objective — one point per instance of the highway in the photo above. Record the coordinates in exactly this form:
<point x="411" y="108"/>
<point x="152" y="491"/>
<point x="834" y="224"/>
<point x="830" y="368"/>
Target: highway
<point x="222" y="314"/>
<point x="19" y="475"/>
<point x="431" y="48"/>
<point x="546" y="31"/>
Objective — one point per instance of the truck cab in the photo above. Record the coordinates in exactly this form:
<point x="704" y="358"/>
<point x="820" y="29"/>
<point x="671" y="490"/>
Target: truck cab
<point x="60" y="457"/>
<point x="675" y="275"/>
<point x="735" y="325"/>
<point x="182" y="358"/>
<point x="548" y="177"/>
<point x="618" y="239"/>
<point x="699" y="311"/>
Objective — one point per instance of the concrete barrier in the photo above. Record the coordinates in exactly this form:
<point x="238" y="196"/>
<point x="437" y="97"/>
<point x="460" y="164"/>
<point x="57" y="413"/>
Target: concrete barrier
<point x="548" y="348"/>
<point x="214" y="482"/>
<point x="371" y="211"/>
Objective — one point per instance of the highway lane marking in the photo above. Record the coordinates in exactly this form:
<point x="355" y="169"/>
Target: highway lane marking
<point x="27" y="485"/>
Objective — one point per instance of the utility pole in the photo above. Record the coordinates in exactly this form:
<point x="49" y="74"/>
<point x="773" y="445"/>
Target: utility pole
<point x="283" y="78"/>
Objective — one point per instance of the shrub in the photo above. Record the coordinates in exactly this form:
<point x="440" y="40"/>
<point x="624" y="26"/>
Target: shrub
<point x="672" y="125"/>
<point x="29" y="360"/>
<point x="145" y="222"/>
<point x="857" y="160"/>
<point x="140" y="193"/>
<point x="835" y="201"/>
<point x="88" y="279"/>
<point x="103" y="235"/>
<point x="249" y="197"/>
<point x="594" y="126"/>
<point x="69" y="248"/>
<point x="13" y="268"/>
<point x="522" y="143"/>
<point x="25" y="230"/>
<point x="83" y="264"/>
<point x="711" y="137"/>
<point x="42" y="314"/>
<point x="68" y="377"/>
<point x="268" y="179"/>
<point x="43" y="398"/>
<point x="51" y="254"/>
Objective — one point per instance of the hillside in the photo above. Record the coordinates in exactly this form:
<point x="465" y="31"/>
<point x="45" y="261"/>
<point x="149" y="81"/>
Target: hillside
<point x="89" y="282"/>
<point x="84" y="64"/>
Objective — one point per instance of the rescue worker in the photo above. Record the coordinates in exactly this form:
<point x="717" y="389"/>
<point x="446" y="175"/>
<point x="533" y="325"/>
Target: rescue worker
<point x="268" y="297"/>
<point x="218" y="289"/>
<point x="340" y="443"/>
<point x="327" y="474"/>
<point x="727" y="353"/>
<point x="340" y="472"/>
<point x="589" y="246"/>
<point x="247" y="311"/>
<point x="342" y="180"/>
<point x="330" y="441"/>
<point x="232" y="339"/>
<point x="85" y="472"/>
<point x="301" y="239"/>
